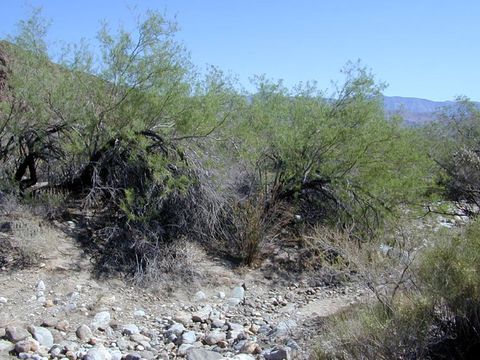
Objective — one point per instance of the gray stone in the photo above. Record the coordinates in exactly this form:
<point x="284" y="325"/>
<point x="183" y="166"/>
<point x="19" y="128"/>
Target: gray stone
<point x="130" y="329"/>
<point x="243" y="357"/>
<point x="148" y="355"/>
<point x="176" y="329"/>
<point x="84" y="333"/>
<point x="284" y="328"/>
<point x="183" y="318"/>
<point x="40" y="286"/>
<point x="42" y="335"/>
<point x="3" y="300"/>
<point x="101" y="320"/>
<point x="202" y="354"/>
<point x="215" y="337"/>
<point x="15" y="334"/>
<point x="55" y="351"/>
<point x="98" y="353"/>
<point x="189" y="337"/>
<point x="217" y="323"/>
<point x="199" y="296"/>
<point x="182" y="349"/>
<point x="123" y="344"/>
<point x="139" y="313"/>
<point x="250" y="347"/>
<point x="26" y="345"/>
<point x="139" y="338"/>
<point x="133" y="356"/>
<point x="238" y="293"/>
<point x="116" y="354"/>
<point x="280" y="353"/>
<point x="202" y="314"/>
<point x="234" y="301"/>
<point x="6" y="346"/>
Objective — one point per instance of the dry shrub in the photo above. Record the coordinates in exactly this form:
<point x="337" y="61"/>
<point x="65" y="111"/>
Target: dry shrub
<point x="426" y="309"/>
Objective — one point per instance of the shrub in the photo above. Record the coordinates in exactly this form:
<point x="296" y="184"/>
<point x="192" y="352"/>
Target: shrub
<point x="436" y="319"/>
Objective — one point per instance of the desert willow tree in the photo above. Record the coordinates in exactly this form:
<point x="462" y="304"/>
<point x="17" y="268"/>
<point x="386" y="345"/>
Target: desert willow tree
<point x="332" y="158"/>
<point x="115" y="126"/>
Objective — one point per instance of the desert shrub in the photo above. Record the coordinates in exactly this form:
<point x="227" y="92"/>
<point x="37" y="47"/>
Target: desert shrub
<point x="455" y="147"/>
<point x="438" y="318"/>
<point x="117" y="134"/>
<point x="335" y="158"/>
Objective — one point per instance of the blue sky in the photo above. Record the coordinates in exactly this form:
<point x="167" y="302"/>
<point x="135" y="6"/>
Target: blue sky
<point x="421" y="48"/>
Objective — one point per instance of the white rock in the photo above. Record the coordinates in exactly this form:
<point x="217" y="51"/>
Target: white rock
<point x="199" y="296"/>
<point x="139" y="313"/>
<point x="40" y="286"/>
<point x="238" y="293"/>
<point x="101" y="320"/>
<point x="189" y="337"/>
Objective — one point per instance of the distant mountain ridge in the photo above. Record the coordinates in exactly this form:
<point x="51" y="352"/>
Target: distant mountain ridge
<point x="415" y="111"/>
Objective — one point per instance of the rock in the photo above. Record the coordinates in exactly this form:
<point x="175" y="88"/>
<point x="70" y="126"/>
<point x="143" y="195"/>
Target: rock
<point x="189" y="337"/>
<point x="133" y="356"/>
<point x="202" y="315"/>
<point x="98" y="353"/>
<point x="202" y="354"/>
<point x="123" y="344"/>
<point x="130" y="329"/>
<point x="42" y="335"/>
<point x="84" y="333"/>
<point x="49" y="322"/>
<point x="217" y="323"/>
<point x="280" y="353"/>
<point x="233" y="301"/>
<point x="199" y="296"/>
<point x="238" y="293"/>
<point x="139" y="338"/>
<point x="221" y="295"/>
<point x="101" y="320"/>
<point x="3" y="300"/>
<point x="116" y="354"/>
<point x="215" y="337"/>
<point x="26" y="345"/>
<point x="40" y="286"/>
<point x="251" y="347"/>
<point x="2" y="332"/>
<point x="176" y="329"/>
<point x="183" y="318"/>
<point x="6" y="227"/>
<point x="236" y="331"/>
<point x="70" y="355"/>
<point x="215" y="315"/>
<point x="6" y="346"/>
<point x="62" y="325"/>
<point x="55" y="351"/>
<point x="139" y="313"/>
<point x="284" y="328"/>
<point x="182" y="350"/>
<point x="243" y="357"/>
<point x="15" y="334"/>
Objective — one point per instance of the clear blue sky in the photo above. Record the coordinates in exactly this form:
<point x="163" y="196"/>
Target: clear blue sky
<point x="422" y="48"/>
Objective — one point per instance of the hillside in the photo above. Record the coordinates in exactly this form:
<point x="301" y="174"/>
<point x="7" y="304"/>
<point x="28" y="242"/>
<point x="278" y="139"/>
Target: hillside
<point x="416" y="111"/>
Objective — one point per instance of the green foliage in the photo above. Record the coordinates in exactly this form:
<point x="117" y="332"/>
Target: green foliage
<point x="436" y="318"/>
<point x="451" y="270"/>
<point x="454" y="145"/>
<point x="341" y="146"/>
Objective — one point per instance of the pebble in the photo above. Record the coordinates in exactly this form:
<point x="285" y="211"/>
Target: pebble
<point x="42" y="335"/>
<point x="84" y="333"/>
<point x="101" y="320"/>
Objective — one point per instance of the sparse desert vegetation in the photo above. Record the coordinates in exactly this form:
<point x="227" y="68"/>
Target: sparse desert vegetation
<point x="124" y="164"/>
